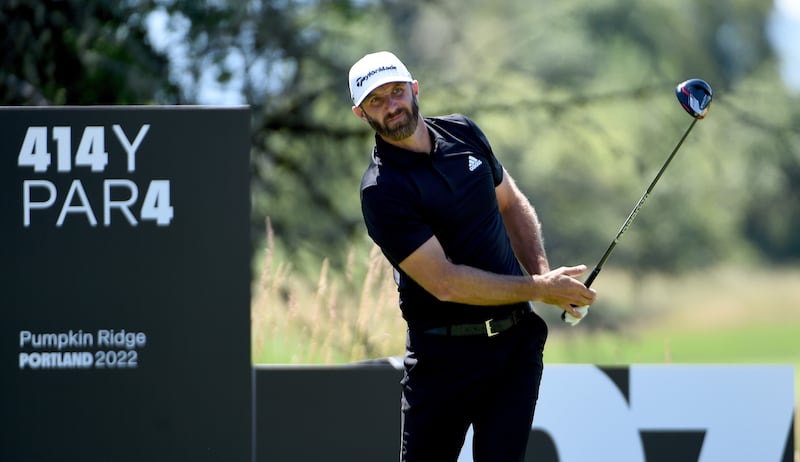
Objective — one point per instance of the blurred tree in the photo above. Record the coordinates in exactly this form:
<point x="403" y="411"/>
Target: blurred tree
<point x="288" y="60"/>
<point x="79" y="52"/>
<point x="577" y="99"/>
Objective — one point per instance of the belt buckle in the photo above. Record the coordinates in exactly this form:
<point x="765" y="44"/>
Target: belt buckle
<point x="489" y="331"/>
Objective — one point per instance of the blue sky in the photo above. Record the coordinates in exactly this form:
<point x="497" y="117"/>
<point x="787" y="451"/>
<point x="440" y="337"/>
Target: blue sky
<point x="784" y="32"/>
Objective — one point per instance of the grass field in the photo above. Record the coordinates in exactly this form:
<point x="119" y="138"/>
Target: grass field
<point x="719" y="316"/>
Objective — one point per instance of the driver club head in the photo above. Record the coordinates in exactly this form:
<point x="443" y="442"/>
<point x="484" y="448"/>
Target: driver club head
<point x="695" y="97"/>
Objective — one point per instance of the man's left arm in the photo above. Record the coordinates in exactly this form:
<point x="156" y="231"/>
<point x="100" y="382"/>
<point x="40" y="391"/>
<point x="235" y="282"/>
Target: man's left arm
<point x="522" y="225"/>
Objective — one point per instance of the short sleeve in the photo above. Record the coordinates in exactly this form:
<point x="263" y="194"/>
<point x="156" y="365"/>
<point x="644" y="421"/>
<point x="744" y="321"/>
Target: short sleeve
<point x="394" y="221"/>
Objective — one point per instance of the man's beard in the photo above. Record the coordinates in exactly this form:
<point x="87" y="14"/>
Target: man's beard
<point x="405" y="128"/>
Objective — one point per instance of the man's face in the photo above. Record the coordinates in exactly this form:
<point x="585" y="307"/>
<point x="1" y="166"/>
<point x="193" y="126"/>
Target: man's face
<point x="394" y="109"/>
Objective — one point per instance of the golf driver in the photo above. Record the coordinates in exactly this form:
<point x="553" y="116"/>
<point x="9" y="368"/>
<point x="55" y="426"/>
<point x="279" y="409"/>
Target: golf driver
<point x="695" y="98"/>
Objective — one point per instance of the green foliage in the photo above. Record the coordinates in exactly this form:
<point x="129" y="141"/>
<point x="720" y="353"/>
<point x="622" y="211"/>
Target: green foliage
<point x="578" y="101"/>
<point x="79" y="52"/>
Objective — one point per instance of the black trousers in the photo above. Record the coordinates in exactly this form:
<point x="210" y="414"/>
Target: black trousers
<point x="491" y="383"/>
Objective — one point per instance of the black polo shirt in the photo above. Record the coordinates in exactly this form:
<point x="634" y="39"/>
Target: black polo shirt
<point x="408" y="197"/>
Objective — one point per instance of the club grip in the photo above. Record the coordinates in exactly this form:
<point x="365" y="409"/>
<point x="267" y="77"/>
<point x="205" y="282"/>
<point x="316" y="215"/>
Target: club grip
<point x="587" y="284"/>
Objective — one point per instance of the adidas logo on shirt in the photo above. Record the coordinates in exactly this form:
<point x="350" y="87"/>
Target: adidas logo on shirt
<point x="474" y="163"/>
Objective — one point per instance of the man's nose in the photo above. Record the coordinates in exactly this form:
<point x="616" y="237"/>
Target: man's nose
<point x="393" y="103"/>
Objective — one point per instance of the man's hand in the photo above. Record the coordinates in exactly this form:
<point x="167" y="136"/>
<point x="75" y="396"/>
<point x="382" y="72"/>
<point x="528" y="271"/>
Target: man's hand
<point x="560" y="287"/>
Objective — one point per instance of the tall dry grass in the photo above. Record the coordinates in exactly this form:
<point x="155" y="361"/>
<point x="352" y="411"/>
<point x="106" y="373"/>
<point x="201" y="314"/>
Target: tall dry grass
<point x="348" y="316"/>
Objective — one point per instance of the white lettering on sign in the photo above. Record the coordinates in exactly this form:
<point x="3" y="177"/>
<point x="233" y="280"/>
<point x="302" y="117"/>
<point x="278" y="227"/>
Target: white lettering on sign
<point x="84" y="199"/>
<point x="82" y="207"/>
<point x="91" y="149"/>
<point x="120" y="339"/>
<point x="155" y="207"/>
<point x="60" y="341"/>
<point x="56" y="360"/>
<point x="130" y="148"/>
<point x="75" y="349"/>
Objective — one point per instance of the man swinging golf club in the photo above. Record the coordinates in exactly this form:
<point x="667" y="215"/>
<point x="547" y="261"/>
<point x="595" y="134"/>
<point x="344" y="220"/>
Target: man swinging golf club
<point x="455" y="227"/>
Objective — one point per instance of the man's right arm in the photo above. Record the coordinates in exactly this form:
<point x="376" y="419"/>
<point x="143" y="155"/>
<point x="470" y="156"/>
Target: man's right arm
<point x="430" y="268"/>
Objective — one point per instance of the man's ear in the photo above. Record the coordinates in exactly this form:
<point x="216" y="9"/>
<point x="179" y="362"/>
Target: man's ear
<point x="359" y="113"/>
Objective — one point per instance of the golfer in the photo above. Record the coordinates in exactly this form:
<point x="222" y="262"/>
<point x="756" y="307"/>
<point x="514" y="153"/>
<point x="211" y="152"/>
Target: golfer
<point x="467" y="251"/>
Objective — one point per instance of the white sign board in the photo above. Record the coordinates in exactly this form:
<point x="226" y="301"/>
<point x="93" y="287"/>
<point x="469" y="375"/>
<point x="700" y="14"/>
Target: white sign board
<point x="641" y="413"/>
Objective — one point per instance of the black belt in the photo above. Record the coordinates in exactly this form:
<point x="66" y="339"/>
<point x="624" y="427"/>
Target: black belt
<point x="489" y="328"/>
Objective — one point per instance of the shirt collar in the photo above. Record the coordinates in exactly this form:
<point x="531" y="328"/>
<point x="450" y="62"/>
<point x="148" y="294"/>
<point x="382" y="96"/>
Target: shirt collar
<point x="399" y="156"/>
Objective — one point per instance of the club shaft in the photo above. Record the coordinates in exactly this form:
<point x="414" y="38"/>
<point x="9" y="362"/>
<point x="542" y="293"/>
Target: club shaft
<point x="635" y="211"/>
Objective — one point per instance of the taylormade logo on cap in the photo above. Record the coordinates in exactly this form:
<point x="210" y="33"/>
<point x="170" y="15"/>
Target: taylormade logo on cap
<point x="374" y="70"/>
<point x="360" y="80"/>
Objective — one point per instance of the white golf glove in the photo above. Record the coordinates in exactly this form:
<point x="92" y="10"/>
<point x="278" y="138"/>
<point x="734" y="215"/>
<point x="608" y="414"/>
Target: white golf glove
<point x="572" y="320"/>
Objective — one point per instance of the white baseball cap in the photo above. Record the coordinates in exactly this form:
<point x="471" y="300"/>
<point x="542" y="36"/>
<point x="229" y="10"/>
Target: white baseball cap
<point x="374" y="70"/>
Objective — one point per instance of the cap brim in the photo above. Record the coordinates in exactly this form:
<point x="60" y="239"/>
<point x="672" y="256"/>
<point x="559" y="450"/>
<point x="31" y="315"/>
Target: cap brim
<point x="378" y="83"/>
